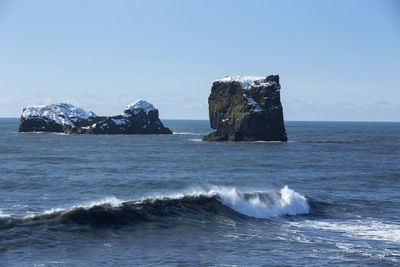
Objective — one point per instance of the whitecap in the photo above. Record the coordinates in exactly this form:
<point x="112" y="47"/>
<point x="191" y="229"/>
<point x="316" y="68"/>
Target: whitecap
<point x="265" y="204"/>
<point x="184" y="133"/>
<point x="3" y="215"/>
<point x="367" y="229"/>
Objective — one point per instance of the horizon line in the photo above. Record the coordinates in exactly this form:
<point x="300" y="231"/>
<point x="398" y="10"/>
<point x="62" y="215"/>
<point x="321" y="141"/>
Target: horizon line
<point x="284" y="120"/>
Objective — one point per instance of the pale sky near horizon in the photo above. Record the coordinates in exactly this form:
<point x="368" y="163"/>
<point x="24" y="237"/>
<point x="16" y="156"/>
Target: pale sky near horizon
<point x="337" y="60"/>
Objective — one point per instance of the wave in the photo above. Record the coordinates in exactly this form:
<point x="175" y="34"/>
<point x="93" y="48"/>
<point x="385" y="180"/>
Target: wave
<point x="3" y="215"/>
<point x="196" y="140"/>
<point x="185" y="133"/>
<point x="197" y="205"/>
<point x="332" y="141"/>
<point x="268" y="142"/>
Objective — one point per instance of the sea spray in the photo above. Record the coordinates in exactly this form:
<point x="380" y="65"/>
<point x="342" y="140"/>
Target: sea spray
<point x="3" y="215"/>
<point x="265" y="204"/>
<point x="108" y="201"/>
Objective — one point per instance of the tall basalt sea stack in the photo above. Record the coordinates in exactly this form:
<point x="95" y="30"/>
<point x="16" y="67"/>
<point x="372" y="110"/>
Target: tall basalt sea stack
<point x="246" y="108"/>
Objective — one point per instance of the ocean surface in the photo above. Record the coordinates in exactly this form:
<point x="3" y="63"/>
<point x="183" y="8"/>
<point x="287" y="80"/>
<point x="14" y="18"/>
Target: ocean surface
<point x="329" y="196"/>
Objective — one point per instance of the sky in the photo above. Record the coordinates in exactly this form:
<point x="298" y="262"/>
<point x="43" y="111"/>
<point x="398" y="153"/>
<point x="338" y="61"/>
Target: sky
<point x="337" y="59"/>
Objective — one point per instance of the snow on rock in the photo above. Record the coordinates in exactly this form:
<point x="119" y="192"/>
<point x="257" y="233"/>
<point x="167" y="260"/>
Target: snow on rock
<point x="253" y="103"/>
<point x="120" y="122"/>
<point x="62" y="113"/>
<point x="138" y="106"/>
<point x="247" y="82"/>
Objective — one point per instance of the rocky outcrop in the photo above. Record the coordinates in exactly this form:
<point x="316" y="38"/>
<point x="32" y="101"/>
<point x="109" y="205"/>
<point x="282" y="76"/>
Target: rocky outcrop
<point x="55" y="118"/>
<point x="138" y="118"/>
<point x="246" y="108"/>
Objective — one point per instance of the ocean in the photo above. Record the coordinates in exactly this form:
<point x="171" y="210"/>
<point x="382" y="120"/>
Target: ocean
<point x="329" y="196"/>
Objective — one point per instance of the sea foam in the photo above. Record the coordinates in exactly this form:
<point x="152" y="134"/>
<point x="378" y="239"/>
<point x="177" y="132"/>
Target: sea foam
<point x="3" y="215"/>
<point x="368" y="229"/>
<point x="265" y="204"/>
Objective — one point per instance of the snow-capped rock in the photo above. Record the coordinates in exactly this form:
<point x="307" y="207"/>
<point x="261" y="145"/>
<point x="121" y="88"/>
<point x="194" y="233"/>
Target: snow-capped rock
<point x="54" y="118"/>
<point x="139" y="117"/>
<point x="139" y="106"/>
<point x="248" y="82"/>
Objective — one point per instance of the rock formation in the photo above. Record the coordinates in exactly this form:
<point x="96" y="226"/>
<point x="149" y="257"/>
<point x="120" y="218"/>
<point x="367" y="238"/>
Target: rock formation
<point x="54" y="118"/>
<point x="246" y="108"/>
<point x="138" y="118"/>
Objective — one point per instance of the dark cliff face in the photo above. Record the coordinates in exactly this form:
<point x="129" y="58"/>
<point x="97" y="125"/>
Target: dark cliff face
<point x="139" y="123"/>
<point x="250" y="114"/>
<point x="39" y="125"/>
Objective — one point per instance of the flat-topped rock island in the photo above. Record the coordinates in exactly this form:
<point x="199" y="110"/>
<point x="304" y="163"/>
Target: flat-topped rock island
<point x="140" y="117"/>
<point x="246" y="108"/>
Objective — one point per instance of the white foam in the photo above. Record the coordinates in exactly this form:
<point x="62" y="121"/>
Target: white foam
<point x="247" y="82"/>
<point x="196" y="139"/>
<point x="50" y="211"/>
<point x="265" y="204"/>
<point x="3" y="215"/>
<point x="184" y="133"/>
<point x="360" y="229"/>
<point x="112" y="201"/>
<point x="269" y="142"/>
<point x="366" y="250"/>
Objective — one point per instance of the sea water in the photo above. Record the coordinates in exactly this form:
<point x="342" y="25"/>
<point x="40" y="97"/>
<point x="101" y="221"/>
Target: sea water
<point x="329" y="196"/>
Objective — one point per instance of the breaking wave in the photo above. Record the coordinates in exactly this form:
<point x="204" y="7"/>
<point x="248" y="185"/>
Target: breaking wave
<point x="185" y="133"/>
<point x="263" y="204"/>
<point x="189" y="206"/>
<point x="3" y="215"/>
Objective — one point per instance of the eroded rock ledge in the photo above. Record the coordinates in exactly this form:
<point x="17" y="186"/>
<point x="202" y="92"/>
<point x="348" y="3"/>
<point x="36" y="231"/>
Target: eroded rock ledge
<point x="246" y="108"/>
<point x="137" y="118"/>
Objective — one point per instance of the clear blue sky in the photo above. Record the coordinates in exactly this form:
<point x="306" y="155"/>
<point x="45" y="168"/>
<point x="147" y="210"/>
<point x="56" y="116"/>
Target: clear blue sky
<point x="338" y="60"/>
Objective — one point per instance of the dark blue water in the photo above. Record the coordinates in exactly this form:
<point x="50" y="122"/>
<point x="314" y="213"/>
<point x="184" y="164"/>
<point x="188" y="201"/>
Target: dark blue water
<point x="329" y="196"/>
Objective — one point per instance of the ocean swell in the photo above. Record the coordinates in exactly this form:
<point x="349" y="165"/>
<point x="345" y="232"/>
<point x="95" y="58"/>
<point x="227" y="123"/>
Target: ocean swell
<point x="197" y="205"/>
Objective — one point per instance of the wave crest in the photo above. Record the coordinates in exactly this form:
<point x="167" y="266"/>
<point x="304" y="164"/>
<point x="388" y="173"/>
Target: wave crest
<point x="190" y="206"/>
<point x="265" y="204"/>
